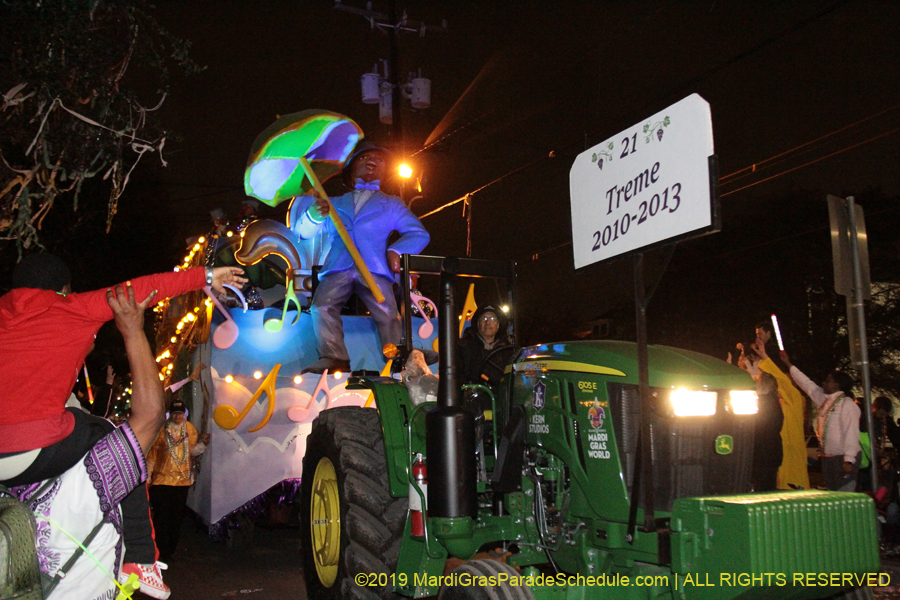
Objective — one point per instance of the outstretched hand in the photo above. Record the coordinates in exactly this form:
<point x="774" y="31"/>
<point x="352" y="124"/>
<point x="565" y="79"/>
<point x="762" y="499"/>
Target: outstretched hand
<point x="229" y="275"/>
<point x="760" y="348"/>
<point x="128" y="312"/>
<point x="742" y="358"/>
<point x="786" y="359"/>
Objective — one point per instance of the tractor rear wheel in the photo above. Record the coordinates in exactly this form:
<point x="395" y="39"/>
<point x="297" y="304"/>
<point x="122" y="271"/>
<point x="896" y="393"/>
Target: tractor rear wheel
<point x="350" y="523"/>
<point x="468" y="575"/>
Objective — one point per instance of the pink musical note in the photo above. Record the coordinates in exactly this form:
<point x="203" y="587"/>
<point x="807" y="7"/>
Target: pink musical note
<point x="178" y="385"/>
<point x="426" y="328"/>
<point x="226" y="333"/>
<point x="299" y="414"/>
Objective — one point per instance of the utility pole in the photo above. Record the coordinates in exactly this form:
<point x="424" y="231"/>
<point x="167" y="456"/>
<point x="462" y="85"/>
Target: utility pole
<point x="394" y="80"/>
<point x="417" y="89"/>
<point x="850" y="254"/>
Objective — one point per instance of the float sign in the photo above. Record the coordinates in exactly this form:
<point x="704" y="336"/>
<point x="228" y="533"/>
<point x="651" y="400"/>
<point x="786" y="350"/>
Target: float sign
<point x="654" y="182"/>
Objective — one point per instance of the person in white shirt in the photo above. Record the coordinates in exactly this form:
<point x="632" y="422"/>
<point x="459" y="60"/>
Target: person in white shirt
<point x="836" y="425"/>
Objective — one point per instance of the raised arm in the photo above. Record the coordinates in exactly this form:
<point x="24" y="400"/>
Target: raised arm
<point x="809" y="387"/>
<point x="148" y="405"/>
<point x="165" y="285"/>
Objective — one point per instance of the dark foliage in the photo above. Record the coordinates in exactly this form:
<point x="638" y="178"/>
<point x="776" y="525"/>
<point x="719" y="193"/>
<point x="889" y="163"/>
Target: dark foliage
<point x="80" y="81"/>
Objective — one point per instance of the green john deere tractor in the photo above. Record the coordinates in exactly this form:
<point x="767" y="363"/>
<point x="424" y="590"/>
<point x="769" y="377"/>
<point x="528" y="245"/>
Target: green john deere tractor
<point x="558" y="484"/>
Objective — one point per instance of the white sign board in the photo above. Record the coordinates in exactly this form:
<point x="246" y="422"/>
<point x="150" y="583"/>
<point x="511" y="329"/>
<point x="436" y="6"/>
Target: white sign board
<point x="645" y="185"/>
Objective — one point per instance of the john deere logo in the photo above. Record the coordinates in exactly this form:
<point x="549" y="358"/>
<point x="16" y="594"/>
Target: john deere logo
<point x="724" y="444"/>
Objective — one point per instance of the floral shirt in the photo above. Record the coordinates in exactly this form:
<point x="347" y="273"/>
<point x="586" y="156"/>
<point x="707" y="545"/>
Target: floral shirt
<point x="85" y="495"/>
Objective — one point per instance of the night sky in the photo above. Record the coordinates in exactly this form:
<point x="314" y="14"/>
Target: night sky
<point x="518" y="90"/>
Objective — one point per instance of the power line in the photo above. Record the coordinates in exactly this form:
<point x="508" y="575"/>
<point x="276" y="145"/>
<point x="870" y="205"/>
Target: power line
<point x="790" y="30"/>
<point x="490" y="183"/>
<point x="785" y="238"/>
<point x="812" y="162"/>
<point x="536" y="255"/>
<point x="759" y="165"/>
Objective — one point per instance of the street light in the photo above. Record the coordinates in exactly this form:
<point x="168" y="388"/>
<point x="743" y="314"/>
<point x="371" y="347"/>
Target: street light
<point x="405" y="171"/>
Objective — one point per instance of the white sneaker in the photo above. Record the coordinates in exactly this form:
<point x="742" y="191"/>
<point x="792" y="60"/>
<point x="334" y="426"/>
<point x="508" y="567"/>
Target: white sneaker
<point x="149" y="577"/>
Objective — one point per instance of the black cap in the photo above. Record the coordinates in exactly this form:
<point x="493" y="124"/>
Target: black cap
<point x="363" y="146"/>
<point x="177" y="406"/>
<point x="489" y="308"/>
<point x="43" y="271"/>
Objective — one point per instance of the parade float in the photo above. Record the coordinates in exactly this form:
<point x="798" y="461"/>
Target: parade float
<point x="236" y="361"/>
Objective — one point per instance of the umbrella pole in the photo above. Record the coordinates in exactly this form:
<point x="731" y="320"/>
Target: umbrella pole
<point x="342" y="231"/>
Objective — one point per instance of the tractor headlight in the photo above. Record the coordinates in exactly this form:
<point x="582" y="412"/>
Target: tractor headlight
<point x="744" y="402"/>
<point x="691" y="403"/>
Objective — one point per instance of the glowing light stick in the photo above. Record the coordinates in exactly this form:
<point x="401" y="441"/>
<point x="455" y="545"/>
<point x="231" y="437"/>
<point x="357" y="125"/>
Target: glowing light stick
<point x="777" y="332"/>
<point x="87" y="381"/>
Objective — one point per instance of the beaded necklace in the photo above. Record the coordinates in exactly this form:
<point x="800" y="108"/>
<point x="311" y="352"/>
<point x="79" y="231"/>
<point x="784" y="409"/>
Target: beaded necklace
<point x="173" y="443"/>
<point x="823" y="419"/>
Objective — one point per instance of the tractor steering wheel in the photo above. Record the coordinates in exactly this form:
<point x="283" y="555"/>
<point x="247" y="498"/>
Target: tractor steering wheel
<point x="489" y="358"/>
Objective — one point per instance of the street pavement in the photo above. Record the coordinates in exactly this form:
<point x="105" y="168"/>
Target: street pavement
<point x="890" y="564"/>
<point x="262" y="564"/>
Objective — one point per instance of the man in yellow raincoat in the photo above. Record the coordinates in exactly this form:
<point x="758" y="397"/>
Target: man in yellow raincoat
<point x="793" y="473"/>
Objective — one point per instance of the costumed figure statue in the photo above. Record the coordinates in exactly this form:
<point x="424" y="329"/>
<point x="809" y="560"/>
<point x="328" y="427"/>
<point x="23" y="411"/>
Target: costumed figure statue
<point x="370" y="216"/>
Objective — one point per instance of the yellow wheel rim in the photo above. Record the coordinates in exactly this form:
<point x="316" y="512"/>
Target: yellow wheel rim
<point x="325" y="516"/>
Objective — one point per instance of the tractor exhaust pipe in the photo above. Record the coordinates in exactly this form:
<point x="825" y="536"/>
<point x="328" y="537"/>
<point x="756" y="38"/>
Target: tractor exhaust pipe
<point x="450" y="439"/>
<point x="448" y="383"/>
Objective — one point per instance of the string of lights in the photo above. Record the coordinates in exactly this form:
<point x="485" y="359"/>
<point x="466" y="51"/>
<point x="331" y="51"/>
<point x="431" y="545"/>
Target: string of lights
<point x="188" y="326"/>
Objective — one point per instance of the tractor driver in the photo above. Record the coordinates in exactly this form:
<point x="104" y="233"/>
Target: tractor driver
<point x="488" y="332"/>
<point x="370" y="217"/>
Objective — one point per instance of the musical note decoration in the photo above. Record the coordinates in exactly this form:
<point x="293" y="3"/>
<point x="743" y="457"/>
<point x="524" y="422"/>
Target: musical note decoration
<point x="426" y="328"/>
<point x="239" y="293"/>
<point x="299" y="414"/>
<point x="275" y="325"/>
<point x="228" y="418"/>
<point x="226" y="333"/>
<point x="468" y="310"/>
<point x="177" y="385"/>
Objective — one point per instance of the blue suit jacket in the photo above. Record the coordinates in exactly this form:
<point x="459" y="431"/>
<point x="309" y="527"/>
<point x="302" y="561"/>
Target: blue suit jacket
<point x="369" y="230"/>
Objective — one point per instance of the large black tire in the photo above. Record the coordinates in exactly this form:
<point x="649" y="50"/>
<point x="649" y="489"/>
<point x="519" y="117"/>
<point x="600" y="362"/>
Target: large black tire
<point x="371" y="521"/>
<point x="470" y="590"/>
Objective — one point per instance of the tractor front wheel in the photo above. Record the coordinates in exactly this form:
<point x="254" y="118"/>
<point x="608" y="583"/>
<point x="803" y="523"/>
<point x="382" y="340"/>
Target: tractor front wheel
<point x="350" y="522"/>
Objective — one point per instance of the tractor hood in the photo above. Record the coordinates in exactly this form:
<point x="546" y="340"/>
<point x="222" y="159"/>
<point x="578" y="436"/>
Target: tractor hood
<point x="669" y="367"/>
